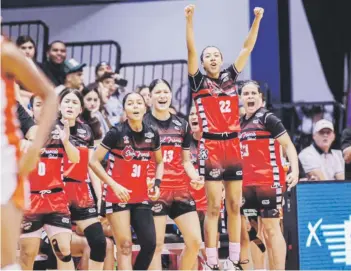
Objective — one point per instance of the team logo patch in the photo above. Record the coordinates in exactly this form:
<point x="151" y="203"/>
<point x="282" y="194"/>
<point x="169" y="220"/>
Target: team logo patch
<point x="128" y="153"/>
<point x="149" y="135"/>
<point x="65" y="220"/>
<point x="203" y="154"/>
<point x="214" y="173"/>
<point x="126" y="140"/>
<point x="192" y="203"/>
<point x="239" y="173"/>
<point x="92" y="210"/>
<point x="177" y="122"/>
<point x="157" y="208"/>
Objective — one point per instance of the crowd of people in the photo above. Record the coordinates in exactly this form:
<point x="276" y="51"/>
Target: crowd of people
<point x="113" y="163"/>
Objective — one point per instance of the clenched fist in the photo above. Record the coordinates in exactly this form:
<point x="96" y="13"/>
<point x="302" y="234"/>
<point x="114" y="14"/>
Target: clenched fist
<point x="258" y="12"/>
<point x="189" y="11"/>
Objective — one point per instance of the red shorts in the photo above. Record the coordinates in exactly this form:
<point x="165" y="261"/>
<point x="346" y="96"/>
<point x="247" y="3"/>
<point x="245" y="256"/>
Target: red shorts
<point x="81" y="200"/>
<point x="199" y="197"/>
<point x="174" y="203"/>
<point x="263" y="200"/>
<point x="220" y="159"/>
<point x="48" y="201"/>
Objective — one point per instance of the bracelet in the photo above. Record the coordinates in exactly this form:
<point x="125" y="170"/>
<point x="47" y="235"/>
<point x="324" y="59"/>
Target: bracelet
<point x="157" y="183"/>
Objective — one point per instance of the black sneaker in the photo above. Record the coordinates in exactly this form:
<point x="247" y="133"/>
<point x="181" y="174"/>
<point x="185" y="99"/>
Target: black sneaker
<point x="206" y="266"/>
<point x="230" y="265"/>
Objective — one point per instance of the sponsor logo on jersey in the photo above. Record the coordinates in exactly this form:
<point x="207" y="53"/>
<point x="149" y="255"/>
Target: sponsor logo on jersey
<point x="265" y="201"/>
<point x="149" y="135"/>
<point x="65" y="220"/>
<point x="214" y="173"/>
<point x="247" y="135"/>
<point x="128" y="153"/>
<point x="26" y="225"/>
<point x="148" y="140"/>
<point x="239" y="173"/>
<point x="203" y="154"/>
<point x="170" y="140"/>
<point x="126" y="140"/>
<point x="177" y="122"/>
<point x="192" y="203"/>
<point x="255" y="121"/>
<point x="259" y="114"/>
<point x="51" y="154"/>
<point x="55" y="132"/>
<point x="157" y="208"/>
<point x="250" y="212"/>
<point x="92" y="210"/>
<point x="81" y="131"/>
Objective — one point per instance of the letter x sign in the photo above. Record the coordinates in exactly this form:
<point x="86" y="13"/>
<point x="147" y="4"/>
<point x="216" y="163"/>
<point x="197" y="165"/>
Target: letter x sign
<point x="313" y="233"/>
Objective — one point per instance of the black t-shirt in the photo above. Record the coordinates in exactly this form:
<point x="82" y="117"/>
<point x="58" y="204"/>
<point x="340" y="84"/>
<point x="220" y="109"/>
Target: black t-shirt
<point x="345" y="143"/>
<point x="25" y="120"/>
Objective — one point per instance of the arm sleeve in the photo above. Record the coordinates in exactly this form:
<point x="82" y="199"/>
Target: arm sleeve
<point x="110" y="139"/>
<point x="187" y="137"/>
<point x="26" y="121"/>
<point x="346" y="139"/>
<point x="157" y="142"/>
<point x="274" y="125"/>
<point x="195" y="81"/>
<point x="233" y="72"/>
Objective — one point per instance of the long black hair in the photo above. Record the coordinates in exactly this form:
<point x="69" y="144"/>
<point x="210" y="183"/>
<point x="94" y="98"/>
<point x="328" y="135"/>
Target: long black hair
<point x="155" y="82"/>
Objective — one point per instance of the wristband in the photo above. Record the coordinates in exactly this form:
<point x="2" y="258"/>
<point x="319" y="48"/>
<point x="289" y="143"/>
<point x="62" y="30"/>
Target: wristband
<point x="157" y="183"/>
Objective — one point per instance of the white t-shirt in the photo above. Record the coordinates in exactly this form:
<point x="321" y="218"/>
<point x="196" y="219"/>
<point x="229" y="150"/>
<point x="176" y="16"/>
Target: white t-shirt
<point x="330" y="163"/>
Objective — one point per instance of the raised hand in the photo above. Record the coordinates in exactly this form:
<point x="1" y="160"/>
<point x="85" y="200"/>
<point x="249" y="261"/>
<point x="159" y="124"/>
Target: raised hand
<point x="189" y="11"/>
<point x="64" y="133"/>
<point x="258" y="12"/>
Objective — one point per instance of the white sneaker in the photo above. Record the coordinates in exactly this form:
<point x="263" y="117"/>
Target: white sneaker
<point x="206" y="266"/>
<point x="232" y="266"/>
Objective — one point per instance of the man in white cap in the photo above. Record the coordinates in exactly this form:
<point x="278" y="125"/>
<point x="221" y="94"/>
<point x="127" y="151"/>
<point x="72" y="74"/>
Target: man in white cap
<point x="319" y="160"/>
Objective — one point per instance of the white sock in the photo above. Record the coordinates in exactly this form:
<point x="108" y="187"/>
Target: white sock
<point x="12" y="267"/>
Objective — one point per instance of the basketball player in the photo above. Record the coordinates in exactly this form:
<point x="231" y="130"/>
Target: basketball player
<point x="15" y="67"/>
<point x="217" y="103"/>
<point x="264" y="178"/>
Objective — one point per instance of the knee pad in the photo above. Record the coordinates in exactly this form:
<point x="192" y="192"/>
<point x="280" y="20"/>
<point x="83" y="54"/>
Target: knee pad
<point x="97" y="242"/>
<point x="59" y="254"/>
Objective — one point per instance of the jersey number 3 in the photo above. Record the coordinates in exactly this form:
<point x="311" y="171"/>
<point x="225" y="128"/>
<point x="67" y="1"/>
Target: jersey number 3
<point x="225" y="106"/>
<point x="136" y="171"/>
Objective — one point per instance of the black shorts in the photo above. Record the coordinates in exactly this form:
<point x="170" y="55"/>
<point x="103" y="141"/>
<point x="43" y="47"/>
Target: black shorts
<point x="79" y="213"/>
<point x="109" y="208"/>
<point x="202" y="215"/>
<point x="262" y="200"/>
<point x="174" y="203"/>
<point x="34" y="222"/>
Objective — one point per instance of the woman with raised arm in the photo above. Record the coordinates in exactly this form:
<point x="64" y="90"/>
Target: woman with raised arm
<point x="132" y="145"/>
<point x="217" y="103"/>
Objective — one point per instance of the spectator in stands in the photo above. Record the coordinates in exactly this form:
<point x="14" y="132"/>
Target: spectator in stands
<point x="145" y="92"/>
<point x="53" y="67"/>
<point x="101" y="68"/>
<point x="92" y="103"/>
<point x="73" y="75"/>
<point x="113" y="105"/>
<point x="27" y="45"/>
<point x="319" y="160"/>
<point x="346" y="149"/>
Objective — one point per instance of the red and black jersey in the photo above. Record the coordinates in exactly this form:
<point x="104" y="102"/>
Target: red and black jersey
<point x="48" y="173"/>
<point x="198" y="195"/>
<point x="130" y="156"/>
<point x="217" y="101"/>
<point x="174" y="136"/>
<point x="261" y="152"/>
<point x="82" y="138"/>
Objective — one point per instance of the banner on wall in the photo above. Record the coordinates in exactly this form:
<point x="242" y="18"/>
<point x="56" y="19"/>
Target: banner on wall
<point x="324" y="225"/>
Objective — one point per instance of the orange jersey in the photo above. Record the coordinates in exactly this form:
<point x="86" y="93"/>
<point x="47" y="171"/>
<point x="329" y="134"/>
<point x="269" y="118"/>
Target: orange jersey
<point x="10" y="139"/>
